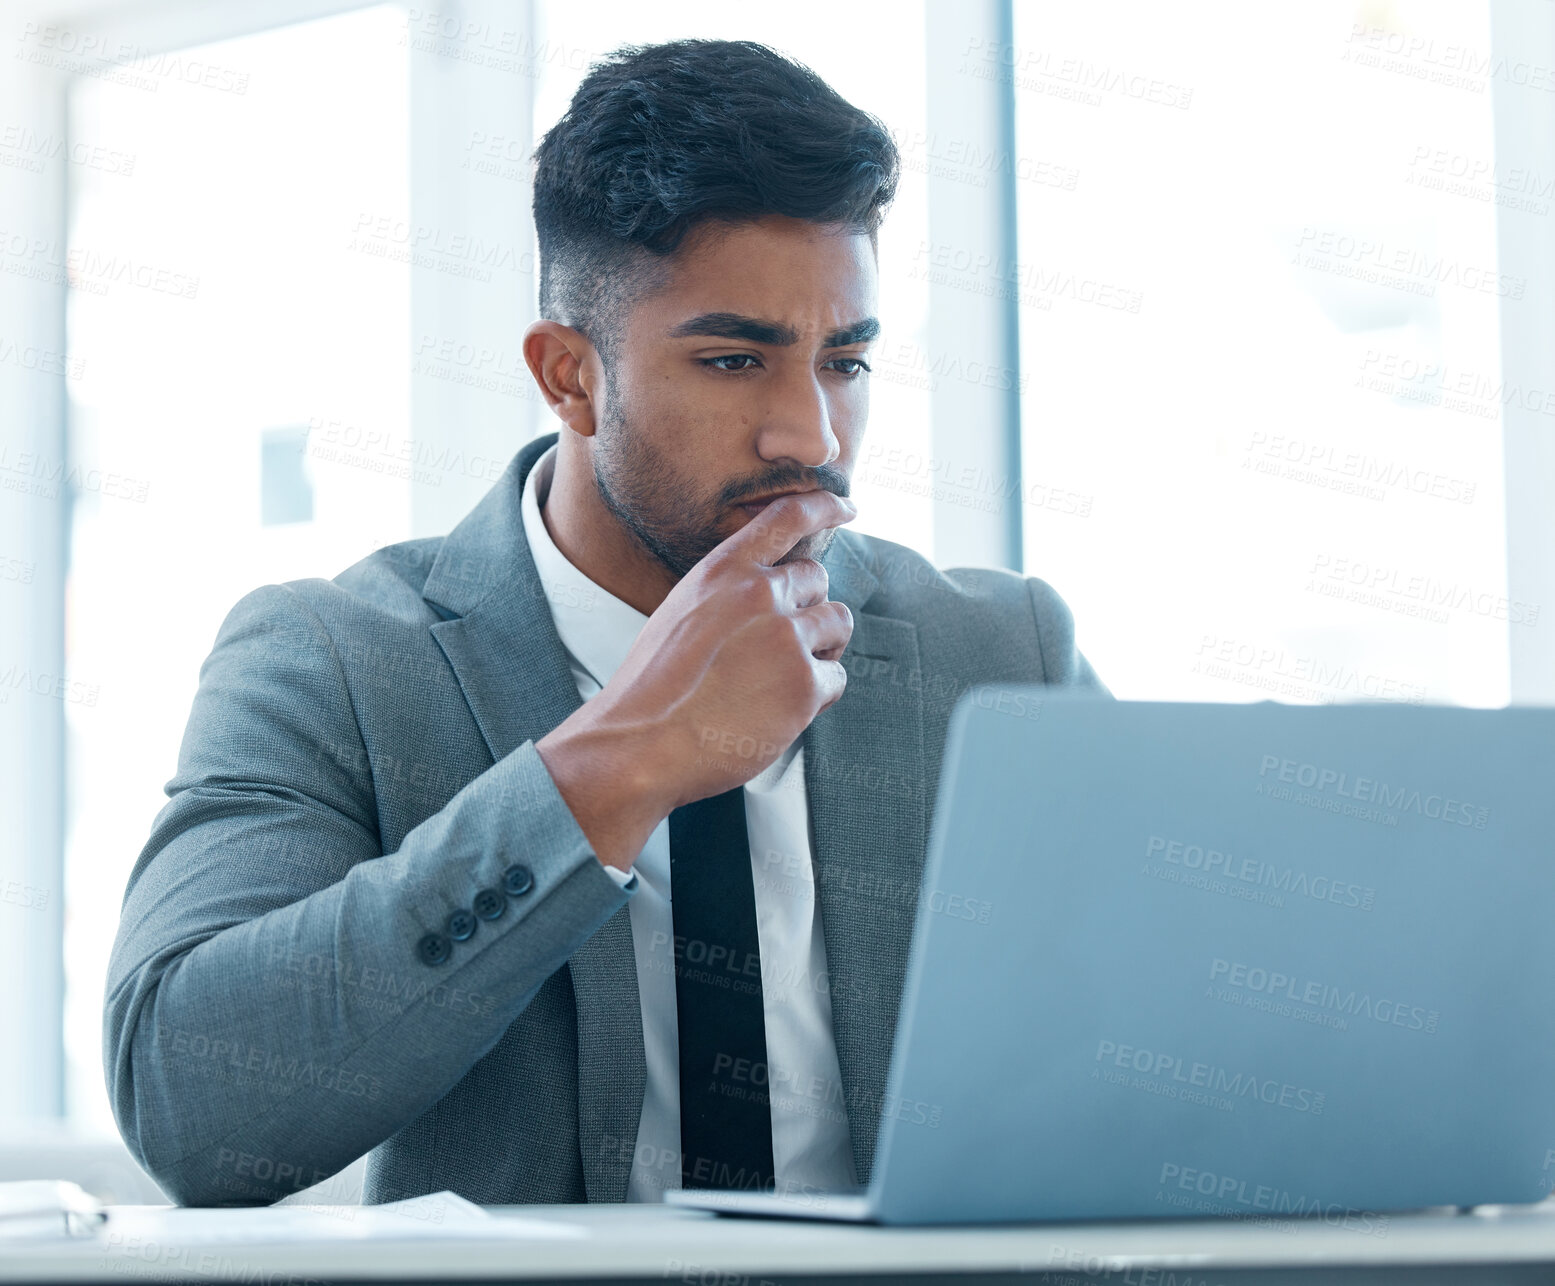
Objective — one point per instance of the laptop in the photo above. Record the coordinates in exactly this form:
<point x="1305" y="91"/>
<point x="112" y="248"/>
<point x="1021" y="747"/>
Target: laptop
<point x="1262" y="961"/>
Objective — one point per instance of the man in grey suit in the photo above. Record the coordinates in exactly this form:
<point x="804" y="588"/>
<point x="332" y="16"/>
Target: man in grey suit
<point x="410" y="895"/>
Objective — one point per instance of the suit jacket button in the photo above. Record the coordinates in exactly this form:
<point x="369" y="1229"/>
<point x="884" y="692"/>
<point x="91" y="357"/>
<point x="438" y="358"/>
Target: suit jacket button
<point x="434" y="949"/>
<point x="461" y="924"/>
<point x="489" y="904"/>
<point x="518" y="879"/>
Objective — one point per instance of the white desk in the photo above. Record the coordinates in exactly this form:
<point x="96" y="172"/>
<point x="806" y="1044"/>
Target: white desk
<point x="664" y="1244"/>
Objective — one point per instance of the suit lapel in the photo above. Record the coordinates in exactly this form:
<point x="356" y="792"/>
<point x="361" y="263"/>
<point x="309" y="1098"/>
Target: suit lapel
<point x="866" y="788"/>
<point x="514" y="672"/>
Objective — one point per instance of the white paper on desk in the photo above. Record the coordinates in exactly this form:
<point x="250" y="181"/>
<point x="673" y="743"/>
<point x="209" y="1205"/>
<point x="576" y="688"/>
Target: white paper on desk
<point x="46" y="1209"/>
<point x="437" y="1216"/>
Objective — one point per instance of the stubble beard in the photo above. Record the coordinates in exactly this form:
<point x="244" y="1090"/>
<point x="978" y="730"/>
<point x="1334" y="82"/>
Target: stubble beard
<point x="662" y="512"/>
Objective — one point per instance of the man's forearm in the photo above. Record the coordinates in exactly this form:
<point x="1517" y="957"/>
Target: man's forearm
<point x="262" y="1032"/>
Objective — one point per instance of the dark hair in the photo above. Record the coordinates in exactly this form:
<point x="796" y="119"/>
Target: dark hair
<point x="661" y="138"/>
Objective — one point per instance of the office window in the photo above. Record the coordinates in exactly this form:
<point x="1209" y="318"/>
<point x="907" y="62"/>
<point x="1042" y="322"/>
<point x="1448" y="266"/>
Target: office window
<point x="241" y="339"/>
<point x="1259" y="327"/>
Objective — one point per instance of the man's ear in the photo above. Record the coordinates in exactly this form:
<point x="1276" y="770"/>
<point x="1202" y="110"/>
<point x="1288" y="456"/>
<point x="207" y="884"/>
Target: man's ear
<point x="566" y="366"/>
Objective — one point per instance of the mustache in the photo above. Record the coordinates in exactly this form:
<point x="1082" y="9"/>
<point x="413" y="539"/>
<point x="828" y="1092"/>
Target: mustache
<point x="823" y="477"/>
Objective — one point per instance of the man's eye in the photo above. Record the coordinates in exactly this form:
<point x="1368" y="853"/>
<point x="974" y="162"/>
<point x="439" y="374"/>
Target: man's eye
<point x="728" y="357"/>
<point x="859" y="364"/>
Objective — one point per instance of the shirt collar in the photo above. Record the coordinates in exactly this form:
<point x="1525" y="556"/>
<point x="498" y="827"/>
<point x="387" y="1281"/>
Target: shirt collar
<point x="596" y="627"/>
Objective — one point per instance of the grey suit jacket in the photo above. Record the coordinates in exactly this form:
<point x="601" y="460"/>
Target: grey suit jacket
<point x="359" y="764"/>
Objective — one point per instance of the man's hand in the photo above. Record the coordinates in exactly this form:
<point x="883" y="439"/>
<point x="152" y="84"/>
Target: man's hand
<point x="731" y="668"/>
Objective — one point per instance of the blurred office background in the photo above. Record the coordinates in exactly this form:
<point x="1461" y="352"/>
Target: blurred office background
<point x="1233" y="322"/>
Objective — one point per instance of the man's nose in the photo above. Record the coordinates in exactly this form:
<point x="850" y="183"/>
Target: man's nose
<point x="797" y="425"/>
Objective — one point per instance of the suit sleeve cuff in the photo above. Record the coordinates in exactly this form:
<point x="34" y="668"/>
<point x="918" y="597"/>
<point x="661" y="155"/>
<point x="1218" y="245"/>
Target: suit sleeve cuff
<point x="625" y="879"/>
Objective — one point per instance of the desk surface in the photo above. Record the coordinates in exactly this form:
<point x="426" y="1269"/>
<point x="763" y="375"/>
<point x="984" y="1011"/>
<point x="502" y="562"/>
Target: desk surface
<point x="660" y="1243"/>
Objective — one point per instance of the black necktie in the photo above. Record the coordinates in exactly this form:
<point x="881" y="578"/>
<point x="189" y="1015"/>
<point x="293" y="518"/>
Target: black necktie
<point x="725" y="1112"/>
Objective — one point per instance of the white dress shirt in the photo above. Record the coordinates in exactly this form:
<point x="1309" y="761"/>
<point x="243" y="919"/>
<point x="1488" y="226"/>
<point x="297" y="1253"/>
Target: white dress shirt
<point x="810" y="1144"/>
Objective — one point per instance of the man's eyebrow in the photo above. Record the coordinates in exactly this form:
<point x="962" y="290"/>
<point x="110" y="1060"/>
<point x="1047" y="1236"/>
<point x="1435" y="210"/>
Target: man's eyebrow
<point x="755" y="330"/>
<point x="859" y="332"/>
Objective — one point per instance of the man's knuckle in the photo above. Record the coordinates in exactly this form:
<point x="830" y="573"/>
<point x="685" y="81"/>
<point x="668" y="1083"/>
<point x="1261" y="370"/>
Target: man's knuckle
<point x="816" y="687"/>
<point x="756" y="591"/>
